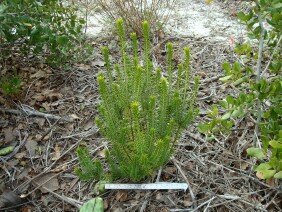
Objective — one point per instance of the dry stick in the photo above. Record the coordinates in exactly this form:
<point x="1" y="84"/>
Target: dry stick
<point x="271" y="57"/>
<point x="245" y="175"/>
<point x="204" y="203"/>
<point x="51" y="128"/>
<point x="41" y="185"/>
<point x="67" y="199"/>
<point x="195" y="137"/>
<point x="29" y="112"/>
<point x="234" y="197"/>
<point x="83" y="134"/>
<point x="15" y="151"/>
<point x="258" y="74"/>
<point x="143" y="207"/>
<point x="187" y="181"/>
<point x="212" y="79"/>
<point x="47" y="169"/>
<point x="272" y="200"/>
<point x="186" y="210"/>
<point x="63" y="198"/>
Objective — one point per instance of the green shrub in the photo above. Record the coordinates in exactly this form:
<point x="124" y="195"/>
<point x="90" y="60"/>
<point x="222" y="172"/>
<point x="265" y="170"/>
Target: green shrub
<point x="47" y="30"/>
<point x="10" y="84"/>
<point x="142" y="114"/>
<point x="260" y="97"/>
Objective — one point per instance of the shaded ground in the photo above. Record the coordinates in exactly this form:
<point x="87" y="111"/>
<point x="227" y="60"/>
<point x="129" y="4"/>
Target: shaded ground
<point x="218" y="172"/>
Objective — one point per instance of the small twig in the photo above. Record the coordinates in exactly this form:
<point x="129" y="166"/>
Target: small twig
<point x="82" y="134"/>
<point x="60" y="166"/>
<point x="271" y="57"/>
<point x="41" y="185"/>
<point x="246" y="175"/>
<point x="234" y="197"/>
<point x="159" y="175"/>
<point x="52" y="127"/>
<point x="28" y="112"/>
<point x="186" y="210"/>
<point x="187" y="181"/>
<point x="47" y="169"/>
<point x="272" y="199"/>
<point x="143" y="207"/>
<point x="212" y="79"/>
<point x="15" y="151"/>
<point x="206" y="97"/>
<point x="69" y="200"/>
<point x="195" y="137"/>
<point x="49" y="130"/>
<point x="256" y="131"/>
<point x="204" y="203"/>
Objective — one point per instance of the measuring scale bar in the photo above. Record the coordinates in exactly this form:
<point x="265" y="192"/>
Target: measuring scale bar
<point x="147" y="186"/>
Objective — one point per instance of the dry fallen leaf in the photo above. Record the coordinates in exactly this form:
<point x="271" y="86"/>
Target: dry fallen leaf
<point x="51" y="95"/>
<point x="23" y="174"/>
<point x="9" y="134"/>
<point x="102" y="153"/>
<point x="70" y="127"/>
<point x="270" y="181"/>
<point x="121" y="196"/>
<point x="160" y="197"/>
<point x="99" y="63"/>
<point x="20" y="155"/>
<point x="46" y="106"/>
<point x="39" y="74"/>
<point x="9" y="199"/>
<point x="187" y="202"/>
<point x="2" y="101"/>
<point x="88" y="125"/>
<point x="245" y="165"/>
<point x="57" y="152"/>
<point x="169" y="170"/>
<point x="39" y="97"/>
<point x="40" y="121"/>
<point x="74" y="116"/>
<point x="259" y="175"/>
<point x="31" y="147"/>
<point x="83" y="67"/>
<point x="52" y="183"/>
<point x="54" y="96"/>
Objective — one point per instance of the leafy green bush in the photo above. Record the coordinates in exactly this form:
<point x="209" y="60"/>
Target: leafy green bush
<point x="142" y="114"/>
<point x="11" y="84"/>
<point x="45" y="29"/>
<point x="260" y="97"/>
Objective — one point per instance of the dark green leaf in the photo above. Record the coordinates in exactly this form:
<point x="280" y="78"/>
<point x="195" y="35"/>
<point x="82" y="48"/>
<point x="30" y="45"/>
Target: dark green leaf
<point x="237" y="67"/>
<point x="263" y="166"/>
<point x="278" y="175"/>
<point x="226" y="116"/>
<point x="93" y="205"/>
<point x="277" y="5"/>
<point x="226" y="67"/>
<point x="267" y="173"/>
<point x="226" y="78"/>
<point x="256" y="152"/>
<point x="241" y="15"/>
<point x="203" y="128"/>
<point x="230" y="100"/>
<point x="276" y="144"/>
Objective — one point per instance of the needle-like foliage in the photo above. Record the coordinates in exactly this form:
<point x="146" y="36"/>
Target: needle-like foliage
<point x="142" y="114"/>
